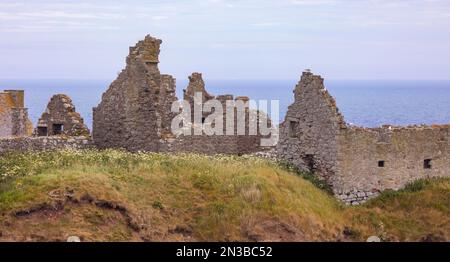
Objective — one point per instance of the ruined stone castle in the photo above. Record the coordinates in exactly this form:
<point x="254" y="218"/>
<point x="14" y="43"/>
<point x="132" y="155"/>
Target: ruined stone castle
<point x="357" y="162"/>
<point x="135" y="114"/>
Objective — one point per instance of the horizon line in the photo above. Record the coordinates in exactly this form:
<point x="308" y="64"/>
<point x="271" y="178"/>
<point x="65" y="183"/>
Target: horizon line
<point x="243" y="79"/>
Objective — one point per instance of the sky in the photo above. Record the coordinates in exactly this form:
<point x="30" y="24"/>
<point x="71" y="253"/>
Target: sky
<point x="229" y="39"/>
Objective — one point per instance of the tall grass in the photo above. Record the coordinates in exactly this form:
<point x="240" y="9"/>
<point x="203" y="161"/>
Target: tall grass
<point x="211" y="198"/>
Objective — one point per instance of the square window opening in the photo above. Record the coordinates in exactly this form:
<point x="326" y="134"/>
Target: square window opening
<point x="293" y="126"/>
<point x="427" y="164"/>
<point x="42" y="131"/>
<point x="58" y="129"/>
<point x="310" y="162"/>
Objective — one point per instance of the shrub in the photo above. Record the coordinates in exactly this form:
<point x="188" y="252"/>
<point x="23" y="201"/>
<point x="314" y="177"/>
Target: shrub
<point x="309" y="176"/>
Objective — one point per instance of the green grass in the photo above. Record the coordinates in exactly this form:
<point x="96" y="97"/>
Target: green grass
<point x="191" y="197"/>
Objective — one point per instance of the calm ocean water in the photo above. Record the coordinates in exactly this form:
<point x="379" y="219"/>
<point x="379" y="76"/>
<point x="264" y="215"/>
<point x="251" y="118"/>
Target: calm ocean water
<point x="363" y="102"/>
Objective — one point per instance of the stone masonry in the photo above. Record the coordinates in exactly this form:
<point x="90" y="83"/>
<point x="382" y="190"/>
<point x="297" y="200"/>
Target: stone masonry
<point x="14" y="119"/>
<point x="216" y="144"/>
<point x="61" y="118"/>
<point x="135" y="112"/>
<point x="23" y="144"/>
<point x="357" y="162"/>
<point x="308" y="136"/>
<point x="129" y="115"/>
<point x="374" y="159"/>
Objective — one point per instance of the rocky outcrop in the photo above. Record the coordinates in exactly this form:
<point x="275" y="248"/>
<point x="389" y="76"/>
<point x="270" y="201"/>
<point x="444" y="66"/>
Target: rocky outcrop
<point x="61" y="118"/>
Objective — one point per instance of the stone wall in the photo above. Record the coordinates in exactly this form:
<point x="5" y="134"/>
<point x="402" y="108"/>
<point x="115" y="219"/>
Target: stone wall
<point x="22" y="144"/>
<point x="14" y="119"/>
<point x="196" y="85"/>
<point x="166" y="97"/>
<point x="129" y="115"/>
<point x="21" y="124"/>
<point x="376" y="159"/>
<point x="357" y="162"/>
<point x="61" y="118"/>
<point x="308" y="135"/>
<point x="6" y="125"/>
<point x="135" y="112"/>
<point x="201" y="144"/>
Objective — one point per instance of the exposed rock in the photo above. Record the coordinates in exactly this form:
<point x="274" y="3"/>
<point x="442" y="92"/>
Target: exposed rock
<point x="73" y="239"/>
<point x="373" y="239"/>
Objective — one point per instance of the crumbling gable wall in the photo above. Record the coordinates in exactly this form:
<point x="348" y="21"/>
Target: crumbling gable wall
<point x="357" y="162"/>
<point x="129" y="115"/>
<point x="308" y="135"/>
<point x="14" y="119"/>
<point x="60" y="118"/>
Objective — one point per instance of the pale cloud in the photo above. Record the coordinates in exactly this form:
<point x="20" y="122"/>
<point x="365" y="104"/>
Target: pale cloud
<point x="63" y="15"/>
<point x="314" y="2"/>
<point x="54" y="26"/>
<point x="51" y="16"/>
<point x="160" y="17"/>
<point x="266" y="24"/>
<point x="222" y="2"/>
<point x="9" y="5"/>
<point x="309" y="31"/>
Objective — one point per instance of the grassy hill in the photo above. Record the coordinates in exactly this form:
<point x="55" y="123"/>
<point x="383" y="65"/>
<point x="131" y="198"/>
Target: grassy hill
<point x="119" y="196"/>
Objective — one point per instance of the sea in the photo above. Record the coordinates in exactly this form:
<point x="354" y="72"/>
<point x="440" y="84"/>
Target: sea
<point x="368" y="103"/>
